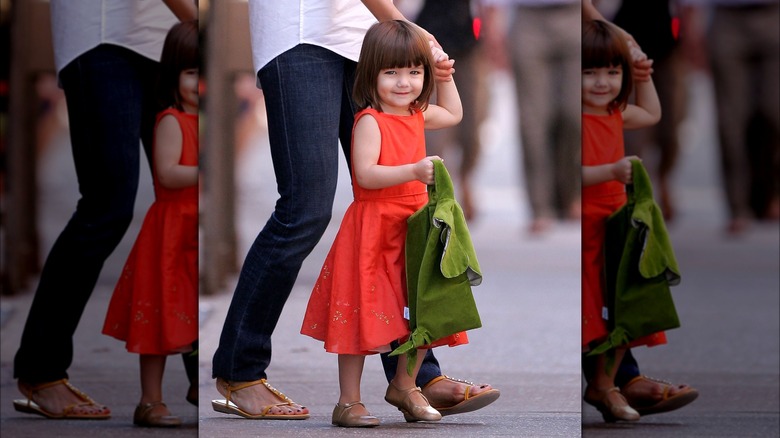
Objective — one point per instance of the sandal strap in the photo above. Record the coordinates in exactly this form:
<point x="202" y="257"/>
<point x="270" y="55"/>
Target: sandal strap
<point x="349" y="405"/>
<point x="86" y="400"/>
<point x="446" y="377"/>
<point x="146" y="407"/>
<point x="233" y="388"/>
<point x="276" y="392"/>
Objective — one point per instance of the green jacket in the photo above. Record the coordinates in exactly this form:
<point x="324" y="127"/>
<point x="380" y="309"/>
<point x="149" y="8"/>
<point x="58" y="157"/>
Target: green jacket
<point x="441" y="267"/>
<point x="640" y="267"/>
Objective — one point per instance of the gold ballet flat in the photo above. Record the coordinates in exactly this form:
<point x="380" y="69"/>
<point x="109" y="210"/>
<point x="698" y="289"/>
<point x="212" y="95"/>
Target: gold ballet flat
<point x="342" y="416"/>
<point x="611" y="411"/>
<point x="400" y="398"/>
<point x="144" y="416"/>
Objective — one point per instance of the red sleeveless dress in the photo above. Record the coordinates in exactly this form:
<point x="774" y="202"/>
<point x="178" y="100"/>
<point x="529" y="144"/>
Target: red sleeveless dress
<point x="154" y="308"/>
<point x="357" y="305"/>
<point x="602" y="143"/>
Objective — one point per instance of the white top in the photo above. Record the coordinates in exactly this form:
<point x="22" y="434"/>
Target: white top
<point x="279" y="25"/>
<point x="79" y="26"/>
<point x="530" y="3"/>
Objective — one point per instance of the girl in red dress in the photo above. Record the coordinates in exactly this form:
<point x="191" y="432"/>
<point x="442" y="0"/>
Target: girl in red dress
<point x="154" y="308"/>
<point x="357" y="305"/>
<point x="606" y="84"/>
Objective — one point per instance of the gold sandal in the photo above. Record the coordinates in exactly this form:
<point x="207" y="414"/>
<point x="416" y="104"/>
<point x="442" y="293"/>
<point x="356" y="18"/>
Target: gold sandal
<point x="28" y="406"/>
<point x="470" y="402"/>
<point x="226" y="406"/>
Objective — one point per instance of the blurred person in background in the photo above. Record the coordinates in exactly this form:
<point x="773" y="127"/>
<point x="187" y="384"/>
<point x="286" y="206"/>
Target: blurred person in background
<point x="654" y="24"/>
<point x="739" y="42"/>
<point x="541" y="43"/>
<point x="453" y="23"/>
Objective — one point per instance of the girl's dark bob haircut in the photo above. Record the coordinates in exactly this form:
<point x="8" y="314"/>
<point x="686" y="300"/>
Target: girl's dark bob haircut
<point x="392" y="44"/>
<point x="604" y="46"/>
<point x="180" y="52"/>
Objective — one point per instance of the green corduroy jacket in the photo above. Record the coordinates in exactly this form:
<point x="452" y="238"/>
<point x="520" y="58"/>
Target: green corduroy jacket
<point x="441" y="267"/>
<point x="640" y="266"/>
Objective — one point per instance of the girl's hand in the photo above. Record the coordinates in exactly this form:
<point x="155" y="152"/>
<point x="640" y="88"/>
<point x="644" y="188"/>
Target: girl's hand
<point x="622" y="171"/>
<point x="423" y="169"/>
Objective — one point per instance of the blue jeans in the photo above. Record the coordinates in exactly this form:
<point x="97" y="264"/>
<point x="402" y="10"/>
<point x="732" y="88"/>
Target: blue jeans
<point x="628" y="369"/>
<point x="308" y="98"/>
<point x="110" y="95"/>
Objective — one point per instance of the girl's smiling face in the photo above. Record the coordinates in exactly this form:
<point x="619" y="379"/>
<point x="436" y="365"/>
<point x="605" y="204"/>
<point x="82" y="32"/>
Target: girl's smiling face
<point x="188" y="90"/>
<point x="399" y="87"/>
<point x="600" y="87"/>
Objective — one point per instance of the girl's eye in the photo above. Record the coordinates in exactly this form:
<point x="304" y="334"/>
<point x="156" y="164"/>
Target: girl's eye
<point x="416" y="72"/>
<point x="389" y="72"/>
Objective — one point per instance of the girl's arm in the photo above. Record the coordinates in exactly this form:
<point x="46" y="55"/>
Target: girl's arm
<point x="618" y="171"/>
<point x="167" y="154"/>
<point x="448" y="110"/>
<point x="646" y="111"/>
<point x="184" y="10"/>
<point x="366" y="145"/>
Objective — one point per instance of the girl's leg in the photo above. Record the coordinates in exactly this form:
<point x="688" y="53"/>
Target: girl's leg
<point x="350" y="411"/>
<point x="350" y="372"/>
<point x="404" y="394"/>
<point x="152" y="369"/>
<point x="603" y="394"/>
<point x="402" y="379"/>
<point x="151" y="411"/>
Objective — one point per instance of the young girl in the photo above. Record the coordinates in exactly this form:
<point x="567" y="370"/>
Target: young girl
<point x="606" y="85"/>
<point x="154" y="308"/>
<point x="357" y="305"/>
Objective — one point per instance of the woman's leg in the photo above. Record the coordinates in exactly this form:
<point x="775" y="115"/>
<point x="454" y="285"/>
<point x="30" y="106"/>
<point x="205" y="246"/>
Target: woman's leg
<point x="105" y="138"/>
<point x="304" y="90"/>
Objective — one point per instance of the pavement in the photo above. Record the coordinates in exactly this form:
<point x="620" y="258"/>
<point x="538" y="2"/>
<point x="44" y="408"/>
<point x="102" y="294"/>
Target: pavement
<point x="728" y="346"/>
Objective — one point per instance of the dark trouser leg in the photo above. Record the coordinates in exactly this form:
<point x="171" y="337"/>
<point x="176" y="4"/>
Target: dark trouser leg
<point x="304" y="90"/>
<point x="107" y="92"/>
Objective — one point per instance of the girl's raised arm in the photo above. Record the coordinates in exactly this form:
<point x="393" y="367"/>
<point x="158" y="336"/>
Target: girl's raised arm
<point x="646" y="111"/>
<point x="167" y="154"/>
<point x="448" y="110"/>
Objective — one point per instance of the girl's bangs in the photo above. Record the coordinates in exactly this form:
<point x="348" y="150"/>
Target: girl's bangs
<point x="402" y="54"/>
<point x="602" y="54"/>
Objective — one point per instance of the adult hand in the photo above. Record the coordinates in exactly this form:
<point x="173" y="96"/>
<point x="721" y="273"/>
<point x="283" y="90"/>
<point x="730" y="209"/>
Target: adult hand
<point x="442" y="67"/>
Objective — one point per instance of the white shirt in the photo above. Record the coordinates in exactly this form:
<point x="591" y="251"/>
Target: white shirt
<point x="279" y="25"/>
<point x="530" y="3"/>
<point x="79" y="26"/>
